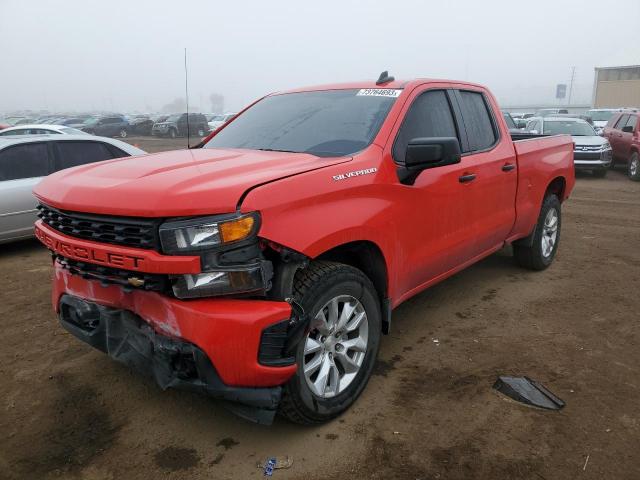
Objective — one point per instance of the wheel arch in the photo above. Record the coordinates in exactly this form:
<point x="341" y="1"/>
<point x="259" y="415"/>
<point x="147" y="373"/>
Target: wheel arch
<point x="367" y="257"/>
<point x="558" y="187"/>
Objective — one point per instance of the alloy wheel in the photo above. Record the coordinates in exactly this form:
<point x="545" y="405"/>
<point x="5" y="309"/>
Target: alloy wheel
<point x="335" y="348"/>
<point x="549" y="232"/>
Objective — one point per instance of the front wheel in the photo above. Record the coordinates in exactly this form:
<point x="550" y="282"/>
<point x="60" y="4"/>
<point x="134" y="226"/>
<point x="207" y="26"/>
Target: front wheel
<point x="173" y="133"/>
<point x="338" y="352"/>
<point x="634" y="167"/>
<point x="544" y="245"/>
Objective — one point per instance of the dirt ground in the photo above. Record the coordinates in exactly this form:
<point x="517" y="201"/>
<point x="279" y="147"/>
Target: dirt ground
<point x="429" y="412"/>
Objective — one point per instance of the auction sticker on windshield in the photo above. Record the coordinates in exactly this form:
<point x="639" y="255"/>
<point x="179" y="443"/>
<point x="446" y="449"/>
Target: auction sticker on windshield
<point x="379" y="92"/>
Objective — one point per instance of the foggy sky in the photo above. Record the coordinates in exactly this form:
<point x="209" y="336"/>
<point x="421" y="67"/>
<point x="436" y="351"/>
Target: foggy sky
<point x="128" y="55"/>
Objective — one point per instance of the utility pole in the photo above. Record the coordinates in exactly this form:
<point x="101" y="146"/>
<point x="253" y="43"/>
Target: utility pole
<point x="573" y="74"/>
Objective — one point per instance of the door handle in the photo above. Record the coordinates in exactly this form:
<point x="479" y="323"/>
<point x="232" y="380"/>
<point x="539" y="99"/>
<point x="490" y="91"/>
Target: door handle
<point x="467" y="178"/>
<point x="508" y="167"/>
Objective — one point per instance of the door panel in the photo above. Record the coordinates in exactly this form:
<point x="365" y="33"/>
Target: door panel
<point x="616" y="135"/>
<point x="489" y="199"/>
<point x="430" y="212"/>
<point x="17" y="208"/>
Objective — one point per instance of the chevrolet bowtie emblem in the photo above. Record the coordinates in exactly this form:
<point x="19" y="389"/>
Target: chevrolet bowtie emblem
<point x="135" y="281"/>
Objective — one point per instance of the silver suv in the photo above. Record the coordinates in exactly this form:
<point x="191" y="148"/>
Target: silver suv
<point x="25" y="159"/>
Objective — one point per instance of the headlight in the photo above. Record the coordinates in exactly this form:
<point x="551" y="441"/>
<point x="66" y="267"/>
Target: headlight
<point x="606" y="146"/>
<point x="221" y="282"/>
<point x="227" y="268"/>
<point x="193" y="235"/>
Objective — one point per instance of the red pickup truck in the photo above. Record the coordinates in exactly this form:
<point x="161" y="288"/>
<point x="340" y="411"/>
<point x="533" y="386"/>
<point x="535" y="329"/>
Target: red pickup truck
<point x="262" y="267"/>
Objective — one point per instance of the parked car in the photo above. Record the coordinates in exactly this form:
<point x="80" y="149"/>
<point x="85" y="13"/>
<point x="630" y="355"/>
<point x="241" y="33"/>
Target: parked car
<point x="586" y="118"/>
<point x="74" y="122"/>
<point x="511" y="124"/>
<point x="13" y="121"/>
<point x="263" y="267"/>
<point x="623" y="132"/>
<point x="601" y="116"/>
<point x="591" y="152"/>
<point x="141" y="125"/>
<point x="41" y="130"/>
<point x="218" y="120"/>
<point x="545" y="112"/>
<point x="107" y="126"/>
<point x="176" y="126"/>
<point x="24" y="160"/>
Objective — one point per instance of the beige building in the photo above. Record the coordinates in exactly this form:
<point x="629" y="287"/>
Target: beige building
<point x="615" y="87"/>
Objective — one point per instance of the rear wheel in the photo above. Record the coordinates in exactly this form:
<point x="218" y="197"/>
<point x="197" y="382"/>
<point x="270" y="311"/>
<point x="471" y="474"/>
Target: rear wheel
<point x="337" y="354"/>
<point x="546" y="237"/>
<point x="634" y="167"/>
<point x="123" y="133"/>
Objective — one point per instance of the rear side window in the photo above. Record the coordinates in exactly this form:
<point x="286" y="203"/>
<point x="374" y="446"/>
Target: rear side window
<point x="632" y="122"/>
<point x="429" y="116"/>
<point x="622" y="121"/>
<point x="481" y="132"/>
<point x="72" y="154"/>
<point x="24" y="161"/>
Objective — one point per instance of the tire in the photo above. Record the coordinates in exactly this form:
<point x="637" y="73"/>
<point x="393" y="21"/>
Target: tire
<point x="633" y="170"/>
<point x="538" y="256"/>
<point x="316" y="288"/>
<point x="201" y="133"/>
<point x="123" y="133"/>
<point x="173" y="133"/>
<point x="600" y="173"/>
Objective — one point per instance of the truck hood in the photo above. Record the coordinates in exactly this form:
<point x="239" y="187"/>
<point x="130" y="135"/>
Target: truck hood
<point x="172" y="184"/>
<point x="589" y="141"/>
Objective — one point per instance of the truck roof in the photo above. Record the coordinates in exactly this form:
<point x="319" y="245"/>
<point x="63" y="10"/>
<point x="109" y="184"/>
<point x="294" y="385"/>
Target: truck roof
<point x="395" y="84"/>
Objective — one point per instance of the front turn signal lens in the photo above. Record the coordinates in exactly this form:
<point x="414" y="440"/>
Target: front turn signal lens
<point x="237" y="229"/>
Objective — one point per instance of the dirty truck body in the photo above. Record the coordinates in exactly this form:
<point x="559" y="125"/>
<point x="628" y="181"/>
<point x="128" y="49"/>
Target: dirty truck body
<point x="263" y="267"/>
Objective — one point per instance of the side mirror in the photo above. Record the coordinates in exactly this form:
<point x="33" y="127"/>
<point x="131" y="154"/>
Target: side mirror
<point x="627" y="129"/>
<point x="424" y="153"/>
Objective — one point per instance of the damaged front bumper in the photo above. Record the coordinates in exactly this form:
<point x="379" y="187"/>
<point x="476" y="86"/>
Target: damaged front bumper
<point x="206" y="345"/>
<point x="172" y="363"/>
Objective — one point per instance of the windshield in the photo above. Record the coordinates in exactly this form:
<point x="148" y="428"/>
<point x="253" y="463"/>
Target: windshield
<point x="580" y="129"/>
<point x="72" y="131"/>
<point x="173" y="118"/>
<point x="90" y="121"/>
<point x="509" y="120"/>
<point x="324" y="123"/>
<point x="217" y="118"/>
<point x="601" y="115"/>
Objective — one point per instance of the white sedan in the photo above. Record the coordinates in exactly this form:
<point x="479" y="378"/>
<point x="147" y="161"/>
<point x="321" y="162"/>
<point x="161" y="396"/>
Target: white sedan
<point x="25" y="159"/>
<point x="40" y="130"/>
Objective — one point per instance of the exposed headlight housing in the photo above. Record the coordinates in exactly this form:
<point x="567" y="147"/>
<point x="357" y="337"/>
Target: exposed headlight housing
<point x="247" y="279"/>
<point x="187" y="236"/>
<point x="230" y="258"/>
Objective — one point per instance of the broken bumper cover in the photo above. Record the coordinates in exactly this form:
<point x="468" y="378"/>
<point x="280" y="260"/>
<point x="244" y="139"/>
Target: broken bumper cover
<point x="224" y="334"/>
<point x="172" y="363"/>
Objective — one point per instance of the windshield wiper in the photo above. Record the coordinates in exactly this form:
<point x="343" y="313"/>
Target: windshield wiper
<point x="276" y="150"/>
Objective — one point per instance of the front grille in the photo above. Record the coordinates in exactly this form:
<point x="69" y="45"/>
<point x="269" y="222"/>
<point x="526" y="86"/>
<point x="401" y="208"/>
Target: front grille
<point x="588" y="148"/>
<point x="114" y="276"/>
<point x="130" y="232"/>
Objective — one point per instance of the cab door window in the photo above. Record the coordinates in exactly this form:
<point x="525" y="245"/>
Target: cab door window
<point x="478" y="121"/>
<point x="430" y="115"/>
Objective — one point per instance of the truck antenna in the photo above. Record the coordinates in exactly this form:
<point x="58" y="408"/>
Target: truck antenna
<point x="186" y="94"/>
<point x="384" y="78"/>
